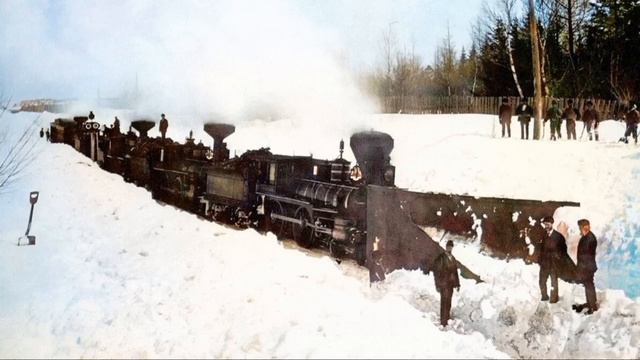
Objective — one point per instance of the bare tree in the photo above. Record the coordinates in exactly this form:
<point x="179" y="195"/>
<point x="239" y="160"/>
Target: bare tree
<point x="15" y="153"/>
<point x="574" y="14"/>
<point x="389" y="45"/>
<point x="507" y="13"/>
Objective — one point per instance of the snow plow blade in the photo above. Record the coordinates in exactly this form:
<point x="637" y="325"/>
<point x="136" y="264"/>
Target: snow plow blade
<point x="395" y="239"/>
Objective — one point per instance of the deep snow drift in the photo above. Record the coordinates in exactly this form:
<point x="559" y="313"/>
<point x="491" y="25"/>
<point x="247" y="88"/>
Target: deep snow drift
<point x="115" y="274"/>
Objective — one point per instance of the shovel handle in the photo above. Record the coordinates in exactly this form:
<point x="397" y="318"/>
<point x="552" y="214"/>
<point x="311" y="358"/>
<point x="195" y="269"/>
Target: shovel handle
<point x="33" y="199"/>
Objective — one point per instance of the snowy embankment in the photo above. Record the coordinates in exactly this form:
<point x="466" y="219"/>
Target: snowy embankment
<point x="115" y="274"/>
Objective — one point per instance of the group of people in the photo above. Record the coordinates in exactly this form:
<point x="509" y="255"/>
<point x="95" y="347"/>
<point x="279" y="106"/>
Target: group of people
<point x="590" y="117"/>
<point x="554" y="263"/>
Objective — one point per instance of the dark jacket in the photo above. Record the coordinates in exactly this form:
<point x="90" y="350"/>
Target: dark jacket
<point x="445" y="270"/>
<point x="553" y="248"/>
<point x="524" y="112"/>
<point x="553" y="113"/>
<point x="632" y="117"/>
<point x="587" y="253"/>
<point x="164" y="124"/>
<point x="505" y="113"/>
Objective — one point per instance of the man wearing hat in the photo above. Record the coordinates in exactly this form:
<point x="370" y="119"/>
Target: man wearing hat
<point x="587" y="263"/>
<point x="445" y="271"/>
<point x="164" y="125"/>
<point x="524" y="112"/>
<point x="505" y="116"/>
<point x="552" y="249"/>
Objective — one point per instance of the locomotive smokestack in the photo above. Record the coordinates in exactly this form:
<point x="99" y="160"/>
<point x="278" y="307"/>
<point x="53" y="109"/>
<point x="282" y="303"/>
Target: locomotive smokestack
<point x="372" y="149"/>
<point x="219" y="132"/>
<point x="143" y="126"/>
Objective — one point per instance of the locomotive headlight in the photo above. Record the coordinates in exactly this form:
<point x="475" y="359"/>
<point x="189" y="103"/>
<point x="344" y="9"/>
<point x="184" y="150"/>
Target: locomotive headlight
<point x="96" y="126"/>
<point x="87" y="126"/>
<point x="208" y="154"/>
<point x="389" y="175"/>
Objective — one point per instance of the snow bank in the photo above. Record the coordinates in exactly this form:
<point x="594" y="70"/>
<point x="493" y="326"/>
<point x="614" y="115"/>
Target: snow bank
<point x="116" y="274"/>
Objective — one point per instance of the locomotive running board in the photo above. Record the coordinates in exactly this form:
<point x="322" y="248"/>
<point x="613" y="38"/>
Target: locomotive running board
<point x="395" y="239"/>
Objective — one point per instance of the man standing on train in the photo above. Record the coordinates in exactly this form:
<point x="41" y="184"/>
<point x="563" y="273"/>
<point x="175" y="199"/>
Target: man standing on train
<point x="164" y="125"/>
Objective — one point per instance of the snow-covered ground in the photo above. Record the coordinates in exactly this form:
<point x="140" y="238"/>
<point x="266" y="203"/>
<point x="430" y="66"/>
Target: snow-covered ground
<point x="116" y="274"/>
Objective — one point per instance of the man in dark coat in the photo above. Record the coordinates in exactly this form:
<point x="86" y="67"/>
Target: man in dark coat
<point x="591" y="119"/>
<point x="445" y="269"/>
<point x="571" y="114"/>
<point x="504" y="115"/>
<point x="524" y="112"/>
<point x="116" y="125"/>
<point x="587" y="263"/>
<point x="553" y="115"/>
<point x="632" y="118"/>
<point x="553" y="248"/>
<point x="164" y="125"/>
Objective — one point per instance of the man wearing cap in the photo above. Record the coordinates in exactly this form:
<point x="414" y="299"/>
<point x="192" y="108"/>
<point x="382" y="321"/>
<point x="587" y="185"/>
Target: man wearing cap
<point x="164" y="125"/>
<point x="445" y="271"/>
<point x="587" y="263"/>
<point x="505" y="116"/>
<point x="632" y="118"/>
<point x="524" y="113"/>
<point x="552" y="249"/>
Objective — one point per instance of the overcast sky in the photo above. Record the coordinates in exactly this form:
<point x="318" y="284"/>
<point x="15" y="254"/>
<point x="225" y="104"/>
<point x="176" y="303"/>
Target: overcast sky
<point x="67" y="49"/>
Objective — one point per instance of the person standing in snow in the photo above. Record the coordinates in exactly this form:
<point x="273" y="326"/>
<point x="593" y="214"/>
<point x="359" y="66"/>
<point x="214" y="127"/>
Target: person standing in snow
<point x="116" y="125"/>
<point x="591" y="119"/>
<point x="445" y="270"/>
<point x="504" y="116"/>
<point x="524" y="112"/>
<point x="553" y="115"/>
<point x="552" y="249"/>
<point x="632" y="118"/>
<point x="571" y="114"/>
<point x="164" y="125"/>
<point x="587" y="267"/>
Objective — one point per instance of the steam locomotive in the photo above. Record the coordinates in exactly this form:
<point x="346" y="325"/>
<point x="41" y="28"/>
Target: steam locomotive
<point x="317" y="203"/>
<point x="354" y="212"/>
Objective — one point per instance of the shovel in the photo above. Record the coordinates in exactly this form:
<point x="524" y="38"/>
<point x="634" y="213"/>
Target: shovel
<point x="30" y="239"/>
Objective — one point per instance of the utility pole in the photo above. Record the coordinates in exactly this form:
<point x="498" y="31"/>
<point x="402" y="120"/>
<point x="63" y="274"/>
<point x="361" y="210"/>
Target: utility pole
<point x="537" y="71"/>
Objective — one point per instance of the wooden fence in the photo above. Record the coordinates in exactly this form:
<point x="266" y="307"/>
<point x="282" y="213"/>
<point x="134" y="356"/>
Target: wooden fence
<point x="609" y="109"/>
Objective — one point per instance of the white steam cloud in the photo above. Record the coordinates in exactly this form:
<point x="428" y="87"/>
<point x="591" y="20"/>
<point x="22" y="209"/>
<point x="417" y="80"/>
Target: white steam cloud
<point x="237" y="59"/>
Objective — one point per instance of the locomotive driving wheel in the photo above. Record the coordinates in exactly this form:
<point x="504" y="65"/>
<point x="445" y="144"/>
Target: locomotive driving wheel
<point x="303" y="232"/>
<point x="275" y="225"/>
